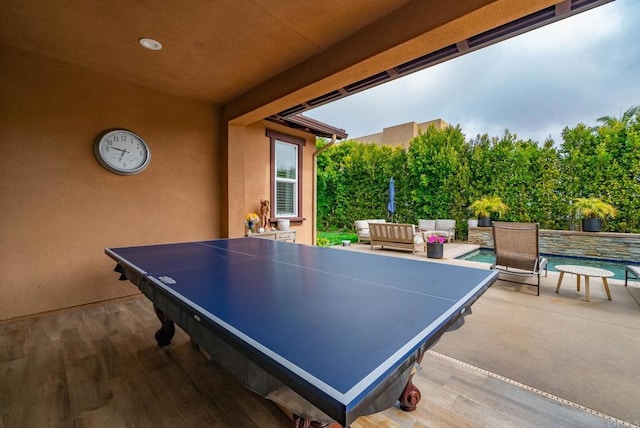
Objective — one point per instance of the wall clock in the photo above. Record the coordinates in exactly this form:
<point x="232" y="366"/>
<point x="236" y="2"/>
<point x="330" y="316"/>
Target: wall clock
<point x="122" y="152"/>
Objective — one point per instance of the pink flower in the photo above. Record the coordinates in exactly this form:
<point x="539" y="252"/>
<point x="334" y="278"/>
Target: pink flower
<point x="436" y="239"/>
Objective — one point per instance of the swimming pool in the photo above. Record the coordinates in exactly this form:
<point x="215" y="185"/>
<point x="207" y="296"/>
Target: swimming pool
<point x="488" y="256"/>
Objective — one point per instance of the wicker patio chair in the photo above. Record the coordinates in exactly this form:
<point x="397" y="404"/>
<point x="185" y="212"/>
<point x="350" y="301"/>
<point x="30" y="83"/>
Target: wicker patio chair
<point x="517" y="251"/>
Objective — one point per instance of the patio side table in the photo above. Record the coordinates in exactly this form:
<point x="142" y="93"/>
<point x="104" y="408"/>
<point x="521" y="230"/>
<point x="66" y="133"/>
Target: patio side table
<point x="587" y="272"/>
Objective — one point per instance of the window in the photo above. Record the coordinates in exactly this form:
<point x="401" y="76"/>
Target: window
<point x="286" y="179"/>
<point x="286" y="176"/>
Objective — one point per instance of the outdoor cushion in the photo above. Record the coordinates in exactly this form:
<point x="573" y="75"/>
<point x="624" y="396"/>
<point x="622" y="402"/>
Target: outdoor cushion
<point x="427" y="224"/>
<point x="362" y="228"/>
<point x="362" y="224"/>
<point x="445" y="224"/>
<point x="439" y="227"/>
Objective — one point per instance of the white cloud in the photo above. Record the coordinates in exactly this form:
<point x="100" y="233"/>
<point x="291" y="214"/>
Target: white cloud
<point x="572" y="71"/>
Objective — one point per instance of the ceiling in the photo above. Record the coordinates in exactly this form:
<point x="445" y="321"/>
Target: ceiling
<point x="267" y="58"/>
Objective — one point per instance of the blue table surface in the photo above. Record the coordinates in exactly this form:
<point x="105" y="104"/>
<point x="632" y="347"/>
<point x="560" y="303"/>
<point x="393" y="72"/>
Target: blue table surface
<point x="341" y="320"/>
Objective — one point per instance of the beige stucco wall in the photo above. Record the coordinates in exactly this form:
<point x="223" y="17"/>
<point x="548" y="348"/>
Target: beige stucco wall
<point x="401" y="135"/>
<point x="59" y="208"/>
<point x="255" y="172"/>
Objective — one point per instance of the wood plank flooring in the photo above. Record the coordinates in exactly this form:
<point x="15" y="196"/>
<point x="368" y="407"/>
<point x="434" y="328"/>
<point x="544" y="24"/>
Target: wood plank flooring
<point x="99" y="366"/>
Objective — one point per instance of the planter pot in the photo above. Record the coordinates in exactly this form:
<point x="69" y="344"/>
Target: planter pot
<point x="283" y="224"/>
<point x="591" y="225"/>
<point x="435" y="250"/>
<point x="484" y="221"/>
<point x="473" y="222"/>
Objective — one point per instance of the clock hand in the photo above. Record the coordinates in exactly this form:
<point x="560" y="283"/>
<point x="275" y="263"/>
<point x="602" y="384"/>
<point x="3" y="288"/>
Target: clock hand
<point x="123" y="152"/>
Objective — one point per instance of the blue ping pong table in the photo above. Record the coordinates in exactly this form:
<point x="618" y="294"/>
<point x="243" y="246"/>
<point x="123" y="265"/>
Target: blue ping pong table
<point x="331" y="335"/>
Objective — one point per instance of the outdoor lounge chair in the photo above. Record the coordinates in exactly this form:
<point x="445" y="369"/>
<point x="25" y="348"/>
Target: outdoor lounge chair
<point x="631" y="272"/>
<point x="517" y="252"/>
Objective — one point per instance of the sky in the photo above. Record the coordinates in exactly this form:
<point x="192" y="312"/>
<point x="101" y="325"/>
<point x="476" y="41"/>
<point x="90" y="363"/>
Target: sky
<point x="573" y="71"/>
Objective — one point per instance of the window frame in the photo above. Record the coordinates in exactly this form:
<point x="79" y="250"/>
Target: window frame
<point x="274" y="137"/>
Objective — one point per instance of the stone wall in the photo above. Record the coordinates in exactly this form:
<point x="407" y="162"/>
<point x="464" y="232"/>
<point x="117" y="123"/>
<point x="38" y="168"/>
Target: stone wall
<point x="600" y="245"/>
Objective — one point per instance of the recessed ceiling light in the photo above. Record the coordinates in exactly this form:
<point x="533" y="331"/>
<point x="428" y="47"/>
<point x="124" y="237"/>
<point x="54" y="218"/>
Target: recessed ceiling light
<point x="154" y="45"/>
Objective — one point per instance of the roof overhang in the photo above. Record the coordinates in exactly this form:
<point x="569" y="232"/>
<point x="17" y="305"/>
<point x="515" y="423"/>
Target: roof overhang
<point x="312" y="126"/>
<point x="513" y="28"/>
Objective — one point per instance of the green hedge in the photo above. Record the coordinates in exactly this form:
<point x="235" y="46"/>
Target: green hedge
<point x="441" y="173"/>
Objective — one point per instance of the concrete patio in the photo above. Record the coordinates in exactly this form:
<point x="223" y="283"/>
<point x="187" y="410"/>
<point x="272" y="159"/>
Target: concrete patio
<point x="583" y="353"/>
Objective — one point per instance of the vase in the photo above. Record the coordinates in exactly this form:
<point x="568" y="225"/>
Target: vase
<point x="251" y="226"/>
<point x="435" y="250"/>
<point x="283" y="224"/>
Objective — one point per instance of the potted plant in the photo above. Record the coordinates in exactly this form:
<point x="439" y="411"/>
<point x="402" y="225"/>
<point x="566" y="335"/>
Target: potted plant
<point x="592" y="211"/>
<point x="484" y="207"/>
<point x="435" y="246"/>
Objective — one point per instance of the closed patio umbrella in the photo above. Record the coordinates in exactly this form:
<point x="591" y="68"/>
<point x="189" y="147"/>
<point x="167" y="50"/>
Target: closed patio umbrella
<point x="391" y="206"/>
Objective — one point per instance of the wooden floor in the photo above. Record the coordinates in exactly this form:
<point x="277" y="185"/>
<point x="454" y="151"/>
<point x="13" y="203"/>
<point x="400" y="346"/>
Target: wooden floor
<point x="98" y="366"/>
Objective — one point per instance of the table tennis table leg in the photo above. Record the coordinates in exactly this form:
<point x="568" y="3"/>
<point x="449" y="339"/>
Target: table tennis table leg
<point x="411" y="395"/>
<point x="168" y="329"/>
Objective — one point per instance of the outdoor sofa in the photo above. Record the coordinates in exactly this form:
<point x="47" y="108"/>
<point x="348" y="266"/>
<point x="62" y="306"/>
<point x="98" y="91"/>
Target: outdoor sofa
<point x="362" y="228"/>
<point x="396" y="235"/>
<point x="439" y="227"/>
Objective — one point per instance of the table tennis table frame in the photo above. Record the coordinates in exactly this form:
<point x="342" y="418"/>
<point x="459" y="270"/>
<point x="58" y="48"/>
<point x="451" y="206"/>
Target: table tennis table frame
<point x="171" y="311"/>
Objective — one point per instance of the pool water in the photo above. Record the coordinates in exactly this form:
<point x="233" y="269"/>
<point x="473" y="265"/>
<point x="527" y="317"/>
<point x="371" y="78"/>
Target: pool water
<point x="488" y="256"/>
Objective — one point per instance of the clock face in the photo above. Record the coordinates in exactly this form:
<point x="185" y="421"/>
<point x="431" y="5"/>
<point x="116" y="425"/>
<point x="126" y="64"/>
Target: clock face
<point x="122" y="152"/>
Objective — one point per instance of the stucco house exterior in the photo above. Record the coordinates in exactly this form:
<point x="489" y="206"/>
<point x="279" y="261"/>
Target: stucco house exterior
<point x="402" y="134"/>
<point x="212" y="105"/>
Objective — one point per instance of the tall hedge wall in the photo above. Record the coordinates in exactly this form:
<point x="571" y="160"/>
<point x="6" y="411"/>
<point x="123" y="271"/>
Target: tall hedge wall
<point x="441" y="173"/>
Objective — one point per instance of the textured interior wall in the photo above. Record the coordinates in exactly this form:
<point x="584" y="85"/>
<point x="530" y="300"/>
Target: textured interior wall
<point x="235" y="181"/>
<point x="257" y="155"/>
<point x="60" y="208"/>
